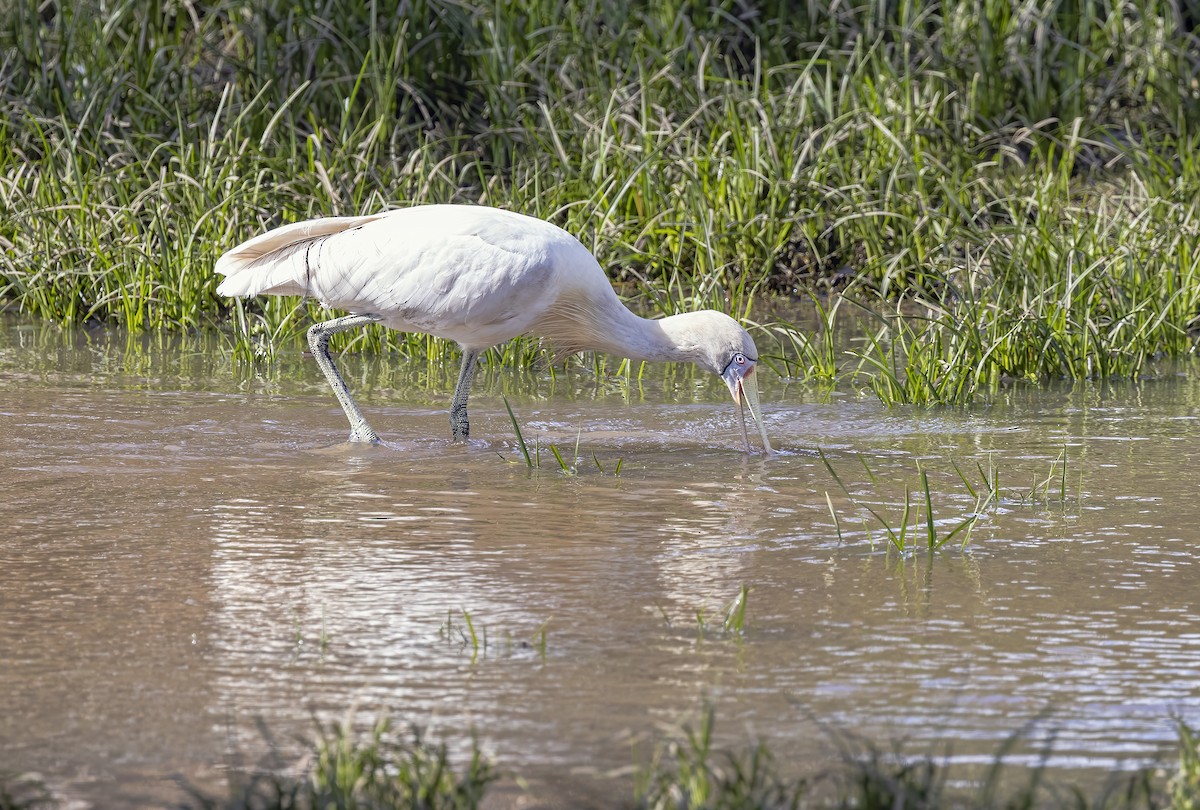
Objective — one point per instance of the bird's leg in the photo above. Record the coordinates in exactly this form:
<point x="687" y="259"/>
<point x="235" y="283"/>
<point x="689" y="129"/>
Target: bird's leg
<point x="318" y="339"/>
<point x="459" y="425"/>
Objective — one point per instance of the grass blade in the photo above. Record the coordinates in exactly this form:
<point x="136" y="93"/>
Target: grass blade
<point x="517" y="430"/>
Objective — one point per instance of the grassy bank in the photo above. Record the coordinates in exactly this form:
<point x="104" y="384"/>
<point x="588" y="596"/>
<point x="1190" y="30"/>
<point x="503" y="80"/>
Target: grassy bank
<point x="1008" y="188"/>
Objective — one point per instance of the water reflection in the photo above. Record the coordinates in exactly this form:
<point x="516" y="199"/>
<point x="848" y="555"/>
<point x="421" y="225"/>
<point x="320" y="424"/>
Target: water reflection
<point x="190" y="549"/>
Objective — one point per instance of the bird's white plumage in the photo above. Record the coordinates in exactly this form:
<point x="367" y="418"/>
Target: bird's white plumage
<point x="478" y="276"/>
<point x="266" y="263"/>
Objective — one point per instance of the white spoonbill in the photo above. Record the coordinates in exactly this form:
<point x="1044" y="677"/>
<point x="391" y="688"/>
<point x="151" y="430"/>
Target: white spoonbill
<point x="478" y="276"/>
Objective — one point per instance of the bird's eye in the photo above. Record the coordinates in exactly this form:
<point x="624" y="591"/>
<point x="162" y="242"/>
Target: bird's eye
<point x="740" y="359"/>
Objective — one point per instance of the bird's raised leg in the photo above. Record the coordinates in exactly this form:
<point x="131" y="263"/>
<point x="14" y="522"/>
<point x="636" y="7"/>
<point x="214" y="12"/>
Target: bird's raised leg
<point x="318" y="339"/>
<point x="459" y="425"/>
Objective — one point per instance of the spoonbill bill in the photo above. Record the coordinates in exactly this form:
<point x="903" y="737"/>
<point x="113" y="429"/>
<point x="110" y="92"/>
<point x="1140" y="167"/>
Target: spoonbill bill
<point x="478" y="276"/>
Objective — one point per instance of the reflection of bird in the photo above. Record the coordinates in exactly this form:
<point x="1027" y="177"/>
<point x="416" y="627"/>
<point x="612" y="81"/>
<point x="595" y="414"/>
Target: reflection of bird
<point x="479" y="276"/>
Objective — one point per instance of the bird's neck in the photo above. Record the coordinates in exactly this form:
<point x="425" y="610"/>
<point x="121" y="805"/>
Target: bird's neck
<point x="658" y="340"/>
<point x="602" y="323"/>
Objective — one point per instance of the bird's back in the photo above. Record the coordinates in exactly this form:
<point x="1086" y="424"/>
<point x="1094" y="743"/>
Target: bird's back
<point x="472" y="274"/>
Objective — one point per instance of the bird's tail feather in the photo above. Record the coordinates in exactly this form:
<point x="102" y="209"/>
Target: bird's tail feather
<point x="268" y="265"/>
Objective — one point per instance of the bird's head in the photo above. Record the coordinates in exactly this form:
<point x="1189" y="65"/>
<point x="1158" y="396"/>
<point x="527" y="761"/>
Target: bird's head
<point x="722" y="346"/>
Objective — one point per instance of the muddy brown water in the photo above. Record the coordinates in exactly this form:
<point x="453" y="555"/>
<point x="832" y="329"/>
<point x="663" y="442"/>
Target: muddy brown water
<point x="191" y="553"/>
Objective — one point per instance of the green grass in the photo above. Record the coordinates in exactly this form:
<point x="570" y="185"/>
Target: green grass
<point x="472" y="635"/>
<point x="1184" y="784"/>
<point x="380" y="770"/>
<point x="533" y="460"/>
<point x="1008" y="189"/>
<point x="687" y="772"/>
<point x="910" y="522"/>
<point x="386" y="768"/>
<point x="903" y="534"/>
<point x="732" y="621"/>
<point x="23" y="793"/>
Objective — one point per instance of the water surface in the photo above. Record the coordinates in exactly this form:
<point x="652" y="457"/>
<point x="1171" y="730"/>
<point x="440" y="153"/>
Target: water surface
<point x="190" y="549"/>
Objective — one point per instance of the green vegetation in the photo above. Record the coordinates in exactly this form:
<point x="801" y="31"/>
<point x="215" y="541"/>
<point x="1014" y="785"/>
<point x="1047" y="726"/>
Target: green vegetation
<point x="917" y="526"/>
<point x="912" y="511"/>
<point x="1005" y="190"/>
<point x="470" y="636"/>
<point x="22" y="793"/>
<point x="688" y="774"/>
<point x="1184" y="785"/>
<point x="732" y="622"/>
<point x="381" y="770"/>
<point x="386" y="769"/>
<point x="533" y="460"/>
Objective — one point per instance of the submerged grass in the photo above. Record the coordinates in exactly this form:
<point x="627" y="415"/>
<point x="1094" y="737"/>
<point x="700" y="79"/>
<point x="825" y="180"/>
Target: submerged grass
<point x="1010" y="188"/>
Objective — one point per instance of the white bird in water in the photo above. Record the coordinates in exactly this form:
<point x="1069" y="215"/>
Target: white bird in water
<point x="478" y="276"/>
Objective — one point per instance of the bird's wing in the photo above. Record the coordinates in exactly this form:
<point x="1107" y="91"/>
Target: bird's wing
<point x="474" y="279"/>
<point x="472" y="274"/>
